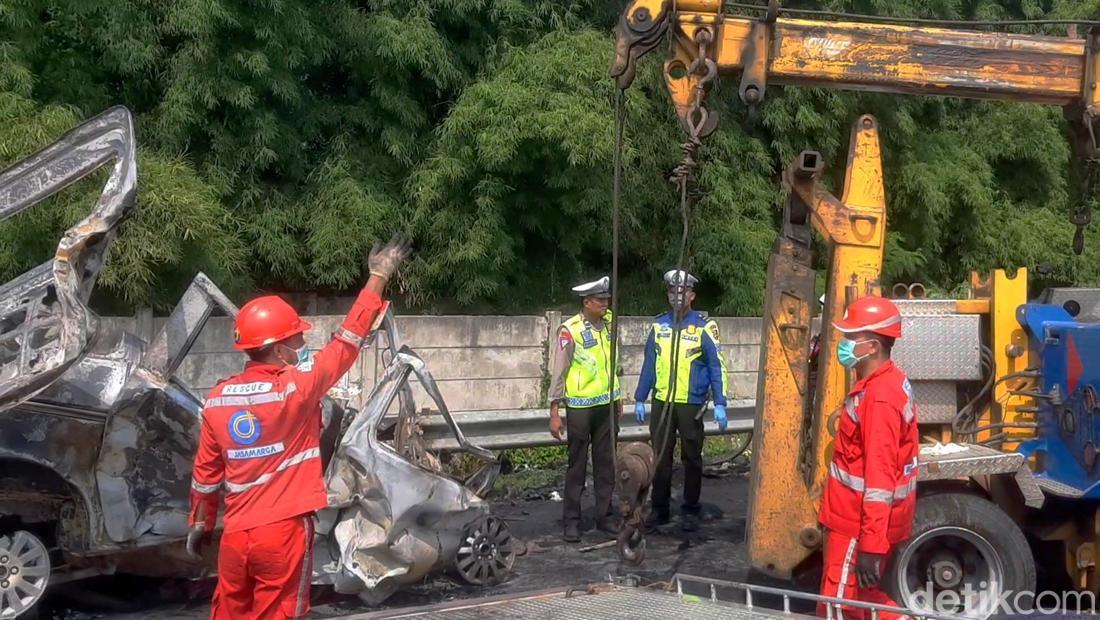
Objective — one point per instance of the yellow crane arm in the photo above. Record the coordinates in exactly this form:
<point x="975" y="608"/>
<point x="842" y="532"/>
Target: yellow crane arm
<point x="792" y="438"/>
<point x="875" y="57"/>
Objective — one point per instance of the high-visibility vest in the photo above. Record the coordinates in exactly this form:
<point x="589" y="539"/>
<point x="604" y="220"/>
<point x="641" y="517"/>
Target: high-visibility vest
<point x="587" y="380"/>
<point x="690" y="349"/>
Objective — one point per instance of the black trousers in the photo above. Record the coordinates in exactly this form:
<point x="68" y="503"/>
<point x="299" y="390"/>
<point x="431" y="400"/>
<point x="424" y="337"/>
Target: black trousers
<point x="690" y="431"/>
<point x="589" y="427"/>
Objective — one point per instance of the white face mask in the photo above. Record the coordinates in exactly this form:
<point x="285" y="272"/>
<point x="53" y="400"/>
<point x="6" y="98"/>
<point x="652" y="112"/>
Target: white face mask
<point x="678" y="300"/>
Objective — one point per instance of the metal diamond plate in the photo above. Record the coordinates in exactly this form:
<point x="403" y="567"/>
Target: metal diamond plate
<point x="939" y="348"/>
<point x="926" y="307"/>
<point x="1029" y="487"/>
<point x="627" y="604"/>
<point x="1057" y="488"/>
<point x="974" y="461"/>
<point x="937" y="401"/>
<point x="982" y="461"/>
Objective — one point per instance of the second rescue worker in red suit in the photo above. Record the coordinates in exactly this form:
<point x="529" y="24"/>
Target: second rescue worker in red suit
<point x="870" y="494"/>
<point x="260" y="440"/>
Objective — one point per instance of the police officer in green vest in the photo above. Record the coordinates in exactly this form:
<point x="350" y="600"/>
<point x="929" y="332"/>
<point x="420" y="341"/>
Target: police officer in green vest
<point x="700" y="376"/>
<point x="581" y="379"/>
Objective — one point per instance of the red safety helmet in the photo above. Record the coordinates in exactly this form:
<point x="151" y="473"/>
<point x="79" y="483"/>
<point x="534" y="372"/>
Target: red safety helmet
<point x="871" y="314"/>
<point x="265" y="320"/>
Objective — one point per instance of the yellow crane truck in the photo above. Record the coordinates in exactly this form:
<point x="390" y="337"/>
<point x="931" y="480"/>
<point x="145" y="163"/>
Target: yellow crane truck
<point x="1005" y="385"/>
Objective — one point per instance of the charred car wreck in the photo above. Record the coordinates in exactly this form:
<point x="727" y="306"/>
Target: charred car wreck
<point x="97" y="433"/>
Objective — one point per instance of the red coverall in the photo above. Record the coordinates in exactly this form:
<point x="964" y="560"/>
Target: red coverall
<point x="870" y="494"/>
<point x="260" y="439"/>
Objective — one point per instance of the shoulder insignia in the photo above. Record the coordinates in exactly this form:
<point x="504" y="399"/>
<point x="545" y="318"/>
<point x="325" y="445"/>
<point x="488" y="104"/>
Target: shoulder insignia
<point x="712" y="329"/>
<point x="564" y="338"/>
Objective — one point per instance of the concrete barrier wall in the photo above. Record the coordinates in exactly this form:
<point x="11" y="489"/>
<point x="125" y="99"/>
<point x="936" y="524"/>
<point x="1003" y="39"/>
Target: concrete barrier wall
<point x="480" y="362"/>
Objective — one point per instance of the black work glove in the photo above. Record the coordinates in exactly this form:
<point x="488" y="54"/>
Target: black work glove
<point x="196" y="538"/>
<point x="868" y="566"/>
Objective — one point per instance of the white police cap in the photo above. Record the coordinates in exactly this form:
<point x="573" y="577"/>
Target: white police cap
<point x="596" y="288"/>
<point x="675" y="277"/>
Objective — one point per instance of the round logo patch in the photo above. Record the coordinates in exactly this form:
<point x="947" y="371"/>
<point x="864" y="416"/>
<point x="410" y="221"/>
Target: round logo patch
<point x="244" y="427"/>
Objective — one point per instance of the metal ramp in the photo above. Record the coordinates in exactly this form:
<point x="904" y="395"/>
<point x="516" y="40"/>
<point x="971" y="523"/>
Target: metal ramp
<point x="686" y="596"/>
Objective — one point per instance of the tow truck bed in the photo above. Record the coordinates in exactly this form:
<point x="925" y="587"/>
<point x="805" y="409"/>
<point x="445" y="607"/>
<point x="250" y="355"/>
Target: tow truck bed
<point x="685" y="596"/>
<point x="613" y="602"/>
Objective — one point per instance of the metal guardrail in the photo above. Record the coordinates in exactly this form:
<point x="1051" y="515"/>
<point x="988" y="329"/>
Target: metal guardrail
<point x="527" y="428"/>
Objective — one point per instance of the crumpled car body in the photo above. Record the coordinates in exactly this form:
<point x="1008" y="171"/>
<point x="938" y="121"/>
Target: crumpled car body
<point x="393" y="517"/>
<point x="98" y="434"/>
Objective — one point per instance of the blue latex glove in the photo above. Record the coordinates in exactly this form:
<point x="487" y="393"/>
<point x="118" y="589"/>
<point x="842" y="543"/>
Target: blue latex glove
<point x="720" y="416"/>
<point x="639" y="412"/>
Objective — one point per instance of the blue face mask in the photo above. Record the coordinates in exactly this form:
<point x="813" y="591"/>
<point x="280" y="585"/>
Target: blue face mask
<point x="846" y="353"/>
<point x="301" y="357"/>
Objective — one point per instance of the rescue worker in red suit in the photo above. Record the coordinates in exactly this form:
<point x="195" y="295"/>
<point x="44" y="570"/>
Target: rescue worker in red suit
<point x="260" y="442"/>
<point x="870" y="492"/>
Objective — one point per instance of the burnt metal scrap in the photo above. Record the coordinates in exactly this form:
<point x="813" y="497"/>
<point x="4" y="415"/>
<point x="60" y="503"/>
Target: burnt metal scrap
<point x="98" y="434"/>
<point x="44" y="322"/>
<point x="393" y="516"/>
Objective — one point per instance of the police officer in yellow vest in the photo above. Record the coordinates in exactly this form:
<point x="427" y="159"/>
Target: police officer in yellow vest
<point x="581" y="380"/>
<point x="699" y="370"/>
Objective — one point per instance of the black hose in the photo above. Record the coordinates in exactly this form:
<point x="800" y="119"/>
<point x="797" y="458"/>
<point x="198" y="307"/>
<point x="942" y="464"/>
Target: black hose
<point x="965" y="419"/>
<point x="965" y="422"/>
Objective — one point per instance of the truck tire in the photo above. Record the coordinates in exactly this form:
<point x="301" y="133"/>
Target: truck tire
<point x="965" y="556"/>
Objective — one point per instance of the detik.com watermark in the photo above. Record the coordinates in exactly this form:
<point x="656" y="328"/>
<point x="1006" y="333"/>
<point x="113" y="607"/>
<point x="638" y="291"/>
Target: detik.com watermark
<point x="980" y="601"/>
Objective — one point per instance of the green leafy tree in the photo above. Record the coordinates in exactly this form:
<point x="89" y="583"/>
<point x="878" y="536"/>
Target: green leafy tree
<point x="278" y="140"/>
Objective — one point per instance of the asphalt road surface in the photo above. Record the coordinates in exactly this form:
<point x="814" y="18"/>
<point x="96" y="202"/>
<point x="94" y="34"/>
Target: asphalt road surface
<point x="716" y="550"/>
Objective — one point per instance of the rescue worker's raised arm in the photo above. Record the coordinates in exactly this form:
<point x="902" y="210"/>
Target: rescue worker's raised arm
<point x="880" y="428"/>
<point x="206" y="482"/>
<point x="338" y="356"/>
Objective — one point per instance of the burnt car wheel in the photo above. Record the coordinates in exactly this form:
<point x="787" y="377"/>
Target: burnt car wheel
<point x="486" y="555"/>
<point x="24" y="573"/>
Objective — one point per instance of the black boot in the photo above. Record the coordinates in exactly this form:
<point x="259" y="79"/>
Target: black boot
<point x="608" y="525"/>
<point x="689" y="522"/>
<point x="656" y="518"/>
<point x="572" y="533"/>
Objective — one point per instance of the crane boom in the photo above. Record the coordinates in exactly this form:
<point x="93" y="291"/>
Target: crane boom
<point x="852" y="55"/>
<point x="875" y="57"/>
<point x="792" y="435"/>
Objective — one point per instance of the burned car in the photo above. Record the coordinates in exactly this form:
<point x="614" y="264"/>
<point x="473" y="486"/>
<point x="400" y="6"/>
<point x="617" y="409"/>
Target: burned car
<point x="98" y="433"/>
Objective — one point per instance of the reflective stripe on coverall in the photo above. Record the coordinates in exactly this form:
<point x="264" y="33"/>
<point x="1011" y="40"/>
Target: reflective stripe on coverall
<point x="260" y="440"/>
<point x="870" y="493"/>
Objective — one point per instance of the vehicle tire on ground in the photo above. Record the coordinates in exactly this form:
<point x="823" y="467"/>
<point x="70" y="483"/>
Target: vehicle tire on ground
<point x="24" y="574"/>
<point x="963" y="555"/>
<point x="487" y="554"/>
